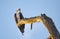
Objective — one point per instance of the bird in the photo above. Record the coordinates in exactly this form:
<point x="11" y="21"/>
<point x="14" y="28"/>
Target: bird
<point x="18" y="16"/>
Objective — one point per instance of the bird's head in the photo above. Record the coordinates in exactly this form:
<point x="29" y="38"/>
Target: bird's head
<point x="18" y="10"/>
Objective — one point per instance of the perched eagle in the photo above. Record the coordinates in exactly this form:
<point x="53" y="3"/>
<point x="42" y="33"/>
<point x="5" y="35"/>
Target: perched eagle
<point x="18" y="16"/>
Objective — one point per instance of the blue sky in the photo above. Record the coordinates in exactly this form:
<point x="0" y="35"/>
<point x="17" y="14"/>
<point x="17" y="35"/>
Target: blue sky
<point x="30" y="8"/>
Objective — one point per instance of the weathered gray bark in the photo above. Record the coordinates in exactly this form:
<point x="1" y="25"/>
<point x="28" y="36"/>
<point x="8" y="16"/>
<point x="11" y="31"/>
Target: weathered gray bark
<point x="47" y="21"/>
<point x="49" y="24"/>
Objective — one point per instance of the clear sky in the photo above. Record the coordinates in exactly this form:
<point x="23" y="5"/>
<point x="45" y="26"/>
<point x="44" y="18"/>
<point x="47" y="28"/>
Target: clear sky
<point x="30" y="8"/>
